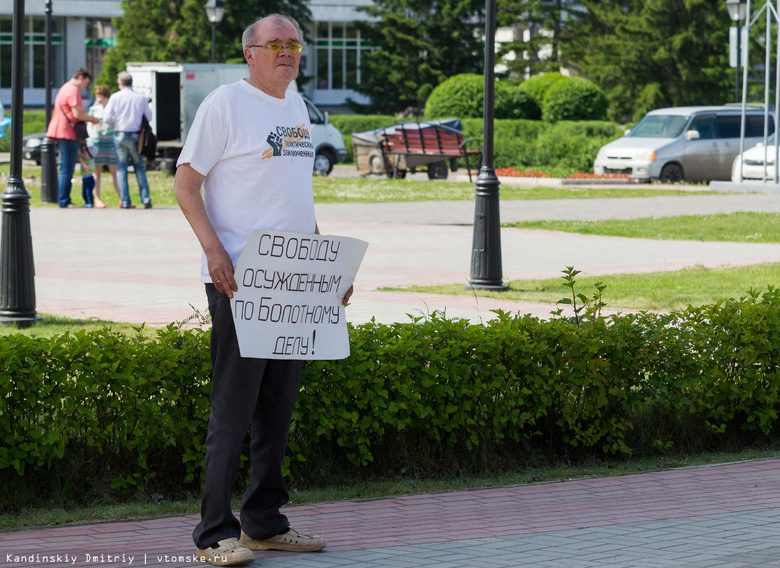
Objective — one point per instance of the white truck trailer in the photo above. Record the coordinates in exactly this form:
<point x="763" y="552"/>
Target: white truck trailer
<point x="175" y="90"/>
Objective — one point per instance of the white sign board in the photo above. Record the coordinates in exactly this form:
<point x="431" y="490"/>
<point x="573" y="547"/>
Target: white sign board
<point x="290" y="287"/>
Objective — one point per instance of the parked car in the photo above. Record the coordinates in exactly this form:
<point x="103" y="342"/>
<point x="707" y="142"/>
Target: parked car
<point x="683" y="144"/>
<point x="753" y="162"/>
<point x="32" y="146"/>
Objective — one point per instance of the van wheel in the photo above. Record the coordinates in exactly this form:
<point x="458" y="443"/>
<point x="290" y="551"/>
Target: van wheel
<point x="323" y="163"/>
<point x="672" y="173"/>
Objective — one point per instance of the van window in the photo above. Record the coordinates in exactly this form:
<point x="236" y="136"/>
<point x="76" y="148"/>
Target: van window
<point x="729" y="126"/>
<point x="754" y="125"/>
<point x="659" y="126"/>
<point x="706" y="127"/>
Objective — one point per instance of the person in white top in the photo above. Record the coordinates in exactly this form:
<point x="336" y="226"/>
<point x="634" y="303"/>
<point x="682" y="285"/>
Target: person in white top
<point x="125" y="111"/>
<point x="250" y="151"/>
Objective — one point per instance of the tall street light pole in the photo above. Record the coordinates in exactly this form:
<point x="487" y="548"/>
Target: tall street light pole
<point x="214" y="12"/>
<point x="17" y="272"/>
<point x="486" y="249"/>
<point x="737" y="12"/>
<point x="48" y="146"/>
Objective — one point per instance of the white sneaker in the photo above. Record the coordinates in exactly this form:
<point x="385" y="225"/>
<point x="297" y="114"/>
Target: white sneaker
<point x="226" y="552"/>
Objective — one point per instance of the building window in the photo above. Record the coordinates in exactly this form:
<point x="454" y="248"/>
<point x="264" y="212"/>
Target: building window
<point x="338" y="52"/>
<point x="34" y="52"/>
<point x="101" y="34"/>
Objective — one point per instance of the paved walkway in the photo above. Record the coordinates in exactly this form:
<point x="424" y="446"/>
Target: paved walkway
<point x="724" y="516"/>
<point x="142" y="266"/>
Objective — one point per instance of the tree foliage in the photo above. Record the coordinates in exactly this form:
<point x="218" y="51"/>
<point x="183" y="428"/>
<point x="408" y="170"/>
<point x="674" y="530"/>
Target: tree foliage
<point x="646" y="54"/>
<point x="418" y="44"/>
<point x="178" y="30"/>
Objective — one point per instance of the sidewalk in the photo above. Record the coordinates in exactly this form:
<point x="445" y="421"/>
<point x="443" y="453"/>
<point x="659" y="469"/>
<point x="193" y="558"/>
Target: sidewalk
<point x="143" y="265"/>
<point x="725" y="516"/>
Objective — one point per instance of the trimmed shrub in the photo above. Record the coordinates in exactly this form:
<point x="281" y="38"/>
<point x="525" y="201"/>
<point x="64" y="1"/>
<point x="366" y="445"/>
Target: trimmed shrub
<point x="105" y="416"/>
<point x="461" y="96"/>
<point x="575" y="99"/>
<point x="538" y="85"/>
<point x="513" y="102"/>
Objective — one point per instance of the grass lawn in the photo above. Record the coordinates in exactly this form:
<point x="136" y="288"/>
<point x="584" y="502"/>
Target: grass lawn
<point x="656" y="291"/>
<point x="343" y="190"/>
<point x="736" y="227"/>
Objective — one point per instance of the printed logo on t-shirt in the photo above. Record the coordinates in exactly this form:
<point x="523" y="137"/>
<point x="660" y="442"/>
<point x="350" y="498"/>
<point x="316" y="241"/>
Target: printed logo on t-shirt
<point x="292" y="142"/>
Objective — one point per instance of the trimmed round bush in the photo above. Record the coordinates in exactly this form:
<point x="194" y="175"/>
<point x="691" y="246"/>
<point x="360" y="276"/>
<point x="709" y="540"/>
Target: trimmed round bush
<point x="538" y="85"/>
<point x="512" y="101"/>
<point x="575" y="99"/>
<point x="461" y="96"/>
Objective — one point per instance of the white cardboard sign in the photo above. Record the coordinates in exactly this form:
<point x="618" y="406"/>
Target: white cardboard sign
<point x="290" y="286"/>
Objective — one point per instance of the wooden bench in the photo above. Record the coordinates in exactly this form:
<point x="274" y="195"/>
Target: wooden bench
<point x="426" y="144"/>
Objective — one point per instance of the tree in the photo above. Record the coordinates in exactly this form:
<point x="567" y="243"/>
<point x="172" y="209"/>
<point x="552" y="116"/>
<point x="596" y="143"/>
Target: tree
<point x="646" y="54"/>
<point x="178" y="30"/>
<point x="418" y="44"/>
<point x="545" y="21"/>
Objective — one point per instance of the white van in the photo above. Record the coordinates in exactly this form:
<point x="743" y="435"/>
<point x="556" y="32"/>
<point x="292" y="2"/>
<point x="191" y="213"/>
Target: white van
<point x="683" y="144"/>
<point x="175" y="91"/>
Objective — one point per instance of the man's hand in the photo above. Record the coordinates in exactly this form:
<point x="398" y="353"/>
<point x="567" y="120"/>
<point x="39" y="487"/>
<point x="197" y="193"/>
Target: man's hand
<point x="347" y="296"/>
<point x="221" y="272"/>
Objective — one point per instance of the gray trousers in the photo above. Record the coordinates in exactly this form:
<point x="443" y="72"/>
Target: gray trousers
<point x="244" y="390"/>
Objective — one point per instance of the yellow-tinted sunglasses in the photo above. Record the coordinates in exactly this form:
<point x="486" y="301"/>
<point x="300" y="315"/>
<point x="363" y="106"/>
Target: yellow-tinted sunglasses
<point x="277" y="47"/>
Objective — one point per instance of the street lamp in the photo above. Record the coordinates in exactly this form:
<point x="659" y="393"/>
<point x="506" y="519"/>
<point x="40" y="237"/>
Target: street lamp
<point x="486" y="248"/>
<point x="214" y="12"/>
<point x="737" y="12"/>
<point x="17" y="273"/>
<point x="48" y="146"/>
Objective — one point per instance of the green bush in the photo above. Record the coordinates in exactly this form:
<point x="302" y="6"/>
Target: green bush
<point x="515" y="103"/>
<point x="461" y="96"/>
<point x="34" y="121"/>
<point x="101" y="415"/>
<point x="575" y="99"/>
<point x="538" y="85"/>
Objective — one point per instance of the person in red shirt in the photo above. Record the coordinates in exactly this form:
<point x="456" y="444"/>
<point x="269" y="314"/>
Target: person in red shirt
<point x="68" y="109"/>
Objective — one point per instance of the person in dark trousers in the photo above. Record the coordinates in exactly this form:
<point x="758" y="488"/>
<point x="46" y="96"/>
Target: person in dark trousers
<point x="250" y="151"/>
<point x="125" y="111"/>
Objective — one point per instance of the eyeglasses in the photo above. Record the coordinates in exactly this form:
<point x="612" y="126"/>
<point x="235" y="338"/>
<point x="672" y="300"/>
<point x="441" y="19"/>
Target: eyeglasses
<point x="280" y="47"/>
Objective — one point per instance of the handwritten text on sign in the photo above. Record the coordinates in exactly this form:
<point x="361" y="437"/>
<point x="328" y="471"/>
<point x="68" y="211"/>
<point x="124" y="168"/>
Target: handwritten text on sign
<point x="290" y="286"/>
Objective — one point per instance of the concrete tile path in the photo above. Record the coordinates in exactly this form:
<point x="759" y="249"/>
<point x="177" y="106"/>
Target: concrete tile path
<point x="705" y="517"/>
<point x="142" y="266"/>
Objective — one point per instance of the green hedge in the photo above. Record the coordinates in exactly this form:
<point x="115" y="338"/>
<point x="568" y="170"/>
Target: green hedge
<point x="34" y="121"/>
<point x="524" y="144"/>
<point x="96" y="414"/>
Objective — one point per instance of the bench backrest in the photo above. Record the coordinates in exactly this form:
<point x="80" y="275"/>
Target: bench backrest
<point x="428" y="140"/>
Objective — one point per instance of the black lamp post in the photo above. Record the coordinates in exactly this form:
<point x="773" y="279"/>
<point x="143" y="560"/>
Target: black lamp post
<point x="17" y="272"/>
<point x="737" y="12"/>
<point x="48" y="152"/>
<point x="214" y="12"/>
<point x="486" y="250"/>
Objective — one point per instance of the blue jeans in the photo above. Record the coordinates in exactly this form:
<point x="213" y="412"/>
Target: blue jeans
<point x="69" y="153"/>
<point x="126" y="145"/>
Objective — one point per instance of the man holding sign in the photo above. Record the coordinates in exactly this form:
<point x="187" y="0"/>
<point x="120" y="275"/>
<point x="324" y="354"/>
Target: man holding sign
<point x="250" y="150"/>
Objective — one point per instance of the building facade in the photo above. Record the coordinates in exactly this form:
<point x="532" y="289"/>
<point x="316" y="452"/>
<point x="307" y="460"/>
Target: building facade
<point x="81" y="33"/>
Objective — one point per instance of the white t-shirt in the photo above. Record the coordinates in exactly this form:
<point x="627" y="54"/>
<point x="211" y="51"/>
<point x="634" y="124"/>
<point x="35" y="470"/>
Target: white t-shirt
<point x="257" y="155"/>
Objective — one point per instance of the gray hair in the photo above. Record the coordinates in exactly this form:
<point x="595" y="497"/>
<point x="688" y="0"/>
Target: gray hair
<point x="249" y="33"/>
<point x="125" y="78"/>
